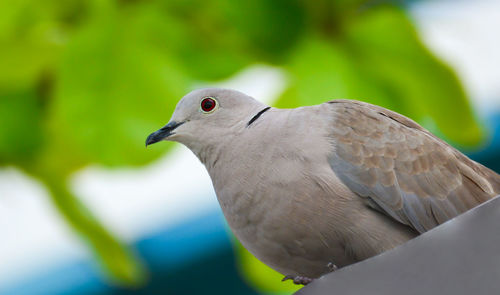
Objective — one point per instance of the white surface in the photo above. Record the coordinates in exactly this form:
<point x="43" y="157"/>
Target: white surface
<point x="31" y="230"/>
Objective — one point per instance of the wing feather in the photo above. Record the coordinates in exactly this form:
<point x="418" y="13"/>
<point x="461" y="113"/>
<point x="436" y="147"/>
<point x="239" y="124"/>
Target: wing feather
<point x="402" y="169"/>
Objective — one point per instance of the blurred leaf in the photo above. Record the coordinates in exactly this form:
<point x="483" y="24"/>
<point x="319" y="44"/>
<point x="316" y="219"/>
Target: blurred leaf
<point x="20" y="131"/>
<point x="196" y="33"/>
<point x="28" y="43"/>
<point x="112" y="91"/>
<point x="322" y="70"/>
<point x="32" y="34"/>
<point x="25" y="60"/>
<point x="271" y="28"/>
<point x="326" y="16"/>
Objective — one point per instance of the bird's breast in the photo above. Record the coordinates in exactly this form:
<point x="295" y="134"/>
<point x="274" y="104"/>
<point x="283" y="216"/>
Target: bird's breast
<point x="282" y="204"/>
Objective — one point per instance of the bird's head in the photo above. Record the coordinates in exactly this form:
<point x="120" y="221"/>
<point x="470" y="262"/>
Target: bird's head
<point x="206" y="116"/>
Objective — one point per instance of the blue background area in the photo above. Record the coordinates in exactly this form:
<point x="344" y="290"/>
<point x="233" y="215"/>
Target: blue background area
<point x="195" y="257"/>
<point x="490" y="155"/>
<point x="186" y="259"/>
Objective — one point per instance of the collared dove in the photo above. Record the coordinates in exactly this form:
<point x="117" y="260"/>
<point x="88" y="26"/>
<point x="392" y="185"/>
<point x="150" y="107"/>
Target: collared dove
<point x="312" y="188"/>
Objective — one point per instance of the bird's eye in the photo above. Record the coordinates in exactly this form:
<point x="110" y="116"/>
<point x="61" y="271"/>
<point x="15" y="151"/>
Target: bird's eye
<point x="208" y="105"/>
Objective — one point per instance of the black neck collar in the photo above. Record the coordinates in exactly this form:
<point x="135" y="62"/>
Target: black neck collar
<point x="257" y="116"/>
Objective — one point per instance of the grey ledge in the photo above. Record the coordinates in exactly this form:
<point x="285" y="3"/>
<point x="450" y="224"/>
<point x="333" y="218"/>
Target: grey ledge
<point x="461" y="256"/>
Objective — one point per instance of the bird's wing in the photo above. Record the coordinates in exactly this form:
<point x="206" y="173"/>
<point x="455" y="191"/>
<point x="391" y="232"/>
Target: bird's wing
<point x="402" y="169"/>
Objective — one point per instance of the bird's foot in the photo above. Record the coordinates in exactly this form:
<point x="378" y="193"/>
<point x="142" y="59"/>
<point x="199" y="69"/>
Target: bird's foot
<point x="301" y="280"/>
<point x="298" y="280"/>
<point x="332" y="267"/>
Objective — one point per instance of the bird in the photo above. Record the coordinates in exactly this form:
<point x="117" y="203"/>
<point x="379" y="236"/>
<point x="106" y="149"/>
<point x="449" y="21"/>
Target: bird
<point x="311" y="189"/>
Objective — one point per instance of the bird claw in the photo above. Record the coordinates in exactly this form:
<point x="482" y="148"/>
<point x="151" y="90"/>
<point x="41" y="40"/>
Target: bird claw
<point x="332" y="267"/>
<point x="301" y="280"/>
<point x="298" y="280"/>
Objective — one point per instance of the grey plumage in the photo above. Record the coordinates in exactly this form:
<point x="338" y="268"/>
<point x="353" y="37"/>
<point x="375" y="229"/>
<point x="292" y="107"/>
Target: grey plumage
<point x="337" y="182"/>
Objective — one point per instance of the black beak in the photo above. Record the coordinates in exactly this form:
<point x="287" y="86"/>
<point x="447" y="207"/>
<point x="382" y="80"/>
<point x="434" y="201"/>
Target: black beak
<point x="163" y="133"/>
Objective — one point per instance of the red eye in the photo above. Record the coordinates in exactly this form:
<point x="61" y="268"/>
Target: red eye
<point x="208" y="104"/>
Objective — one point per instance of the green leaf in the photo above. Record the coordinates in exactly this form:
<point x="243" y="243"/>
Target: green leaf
<point x="196" y="33"/>
<point x="21" y="135"/>
<point x="270" y="28"/>
<point x="112" y="92"/>
<point x="321" y="70"/>
<point x="32" y="34"/>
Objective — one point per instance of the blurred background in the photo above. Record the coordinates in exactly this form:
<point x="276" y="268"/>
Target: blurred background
<point x="86" y="209"/>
